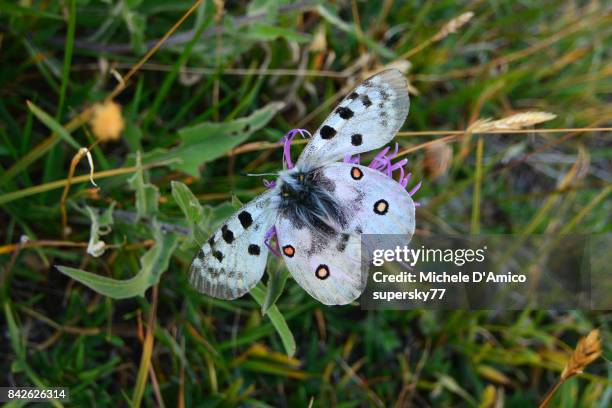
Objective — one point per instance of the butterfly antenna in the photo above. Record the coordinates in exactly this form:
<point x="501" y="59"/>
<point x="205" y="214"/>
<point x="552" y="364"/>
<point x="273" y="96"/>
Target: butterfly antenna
<point x="258" y="174"/>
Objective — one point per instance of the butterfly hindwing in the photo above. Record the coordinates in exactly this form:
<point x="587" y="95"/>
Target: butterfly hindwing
<point x="316" y="263"/>
<point x="366" y="119"/>
<point x="328" y="265"/>
<point x="233" y="259"/>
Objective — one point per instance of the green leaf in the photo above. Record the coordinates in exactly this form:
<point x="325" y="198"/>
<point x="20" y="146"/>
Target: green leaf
<point x="236" y="203"/>
<point x="210" y="140"/>
<point x="133" y="136"/>
<point x="147" y="195"/>
<point x="135" y="23"/>
<point x="276" y="286"/>
<point x="14" y="332"/>
<point x="277" y="319"/>
<point x="188" y="203"/>
<point x="335" y="20"/>
<point x="266" y="32"/>
<point x="100" y="225"/>
<point x="198" y="217"/>
<point x="16" y="10"/>
<point x="53" y="125"/>
<point x="267" y="9"/>
<point x="152" y="264"/>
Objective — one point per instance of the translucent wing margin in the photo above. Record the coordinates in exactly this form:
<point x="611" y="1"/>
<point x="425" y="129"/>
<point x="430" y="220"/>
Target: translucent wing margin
<point x="366" y="119"/>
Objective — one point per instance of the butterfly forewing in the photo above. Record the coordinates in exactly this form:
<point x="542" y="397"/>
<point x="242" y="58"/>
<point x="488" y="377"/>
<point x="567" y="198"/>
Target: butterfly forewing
<point x="366" y="119"/>
<point x="328" y="266"/>
<point x="233" y="260"/>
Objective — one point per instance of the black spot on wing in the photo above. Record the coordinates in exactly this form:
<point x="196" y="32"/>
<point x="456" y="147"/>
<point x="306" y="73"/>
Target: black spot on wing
<point x="366" y="101"/>
<point x="200" y="255"/>
<point x="227" y="234"/>
<point x="345" y="113"/>
<point x="353" y="95"/>
<point x="356" y="139"/>
<point x="245" y="219"/>
<point x="254" y="249"/>
<point x="343" y="241"/>
<point x="211" y="241"/>
<point x="327" y="132"/>
<point x="218" y="255"/>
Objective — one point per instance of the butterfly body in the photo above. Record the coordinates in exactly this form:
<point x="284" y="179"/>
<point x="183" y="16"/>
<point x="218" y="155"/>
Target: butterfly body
<point x="306" y="198"/>
<point x="319" y="209"/>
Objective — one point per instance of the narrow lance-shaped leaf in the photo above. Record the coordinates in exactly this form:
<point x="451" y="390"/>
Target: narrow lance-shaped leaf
<point x="267" y="32"/>
<point x="277" y="319"/>
<point x="276" y="285"/>
<point x="187" y="202"/>
<point x="152" y="264"/>
<point x="147" y="194"/>
<point x="53" y="125"/>
<point x="197" y="216"/>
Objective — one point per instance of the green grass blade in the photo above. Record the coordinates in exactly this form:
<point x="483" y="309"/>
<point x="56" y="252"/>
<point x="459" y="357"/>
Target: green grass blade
<point x="67" y="58"/>
<point x="278" y="321"/>
<point x="53" y="125"/>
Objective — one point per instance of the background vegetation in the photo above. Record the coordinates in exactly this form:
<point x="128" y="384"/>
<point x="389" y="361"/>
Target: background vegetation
<point x="277" y="65"/>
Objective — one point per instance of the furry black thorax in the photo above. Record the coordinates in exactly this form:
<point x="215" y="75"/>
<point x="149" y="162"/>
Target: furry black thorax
<point x="306" y="199"/>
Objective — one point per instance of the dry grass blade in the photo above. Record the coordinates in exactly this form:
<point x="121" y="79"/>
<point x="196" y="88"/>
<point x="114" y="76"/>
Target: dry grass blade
<point x="83" y="151"/>
<point x="587" y="350"/>
<point x="449" y="28"/>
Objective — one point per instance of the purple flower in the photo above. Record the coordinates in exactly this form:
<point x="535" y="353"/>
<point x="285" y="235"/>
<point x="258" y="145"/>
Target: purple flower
<point x="269" y="184"/>
<point x="383" y="162"/>
<point x="274" y="248"/>
<point x="286" y="141"/>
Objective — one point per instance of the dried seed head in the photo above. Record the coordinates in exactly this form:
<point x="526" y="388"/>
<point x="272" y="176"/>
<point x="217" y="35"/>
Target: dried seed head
<point x="523" y="119"/>
<point x="437" y="159"/>
<point x="587" y="350"/>
<point x="453" y="25"/>
<point x="512" y="122"/>
<point x="107" y="121"/>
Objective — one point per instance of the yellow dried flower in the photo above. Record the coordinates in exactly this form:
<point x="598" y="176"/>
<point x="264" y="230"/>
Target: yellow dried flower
<point x="107" y="121"/>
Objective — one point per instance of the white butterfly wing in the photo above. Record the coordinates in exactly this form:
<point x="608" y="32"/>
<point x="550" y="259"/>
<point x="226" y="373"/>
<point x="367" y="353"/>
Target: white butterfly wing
<point x="233" y="260"/>
<point x="365" y="120"/>
<point x="329" y="267"/>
